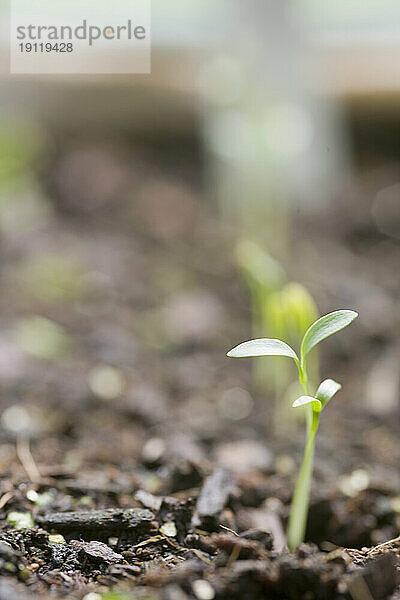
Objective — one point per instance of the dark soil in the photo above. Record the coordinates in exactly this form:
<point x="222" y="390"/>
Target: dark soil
<point x="173" y="482"/>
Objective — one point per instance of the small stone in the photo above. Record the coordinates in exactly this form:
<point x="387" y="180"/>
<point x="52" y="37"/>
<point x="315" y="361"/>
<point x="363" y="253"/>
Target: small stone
<point x="203" y="590"/>
<point x="168" y="529"/>
<point x="243" y="456"/>
<point x="113" y="541"/>
<point x="356" y="482"/>
<point x="215" y="493"/>
<point x="97" y="551"/>
<point x="105" y="523"/>
<point x="106" y="382"/>
<point x="56" y="539"/>
<point x="124" y="570"/>
<point x="153" y="450"/>
<point x="148" y="500"/>
<point x="92" y="596"/>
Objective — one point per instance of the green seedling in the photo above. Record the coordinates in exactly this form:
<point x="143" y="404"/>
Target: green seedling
<point x="278" y="310"/>
<point x="288" y="313"/>
<point x="314" y="403"/>
<point x="20" y="520"/>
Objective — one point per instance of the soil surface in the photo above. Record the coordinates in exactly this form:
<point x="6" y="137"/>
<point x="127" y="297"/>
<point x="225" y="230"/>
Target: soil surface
<point x="138" y="461"/>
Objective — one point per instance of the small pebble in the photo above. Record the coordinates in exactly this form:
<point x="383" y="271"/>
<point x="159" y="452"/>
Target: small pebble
<point x="243" y="456"/>
<point x="106" y="382"/>
<point x="97" y="551"/>
<point x="356" y="482"/>
<point x="92" y="596"/>
<point x="56" y="539"/>
<point x="168" y="529"/>
<point x="153" y="450"/>
<point x="112" y="541"/>
<point x="203" y="590"/>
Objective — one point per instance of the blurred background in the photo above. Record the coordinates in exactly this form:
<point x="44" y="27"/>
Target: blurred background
<point x="148" y="223"/>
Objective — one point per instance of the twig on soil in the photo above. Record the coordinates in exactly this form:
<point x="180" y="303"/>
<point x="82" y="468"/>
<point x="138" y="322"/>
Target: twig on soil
<point x="156" y="538"/>
<point x="5" y="498"/>
<point x="230" y="530"/>
<point x="366" y="554"/>
<point x="26" y="459"/>
<point x="201" y="557"/>
<point x="393" y="544"/>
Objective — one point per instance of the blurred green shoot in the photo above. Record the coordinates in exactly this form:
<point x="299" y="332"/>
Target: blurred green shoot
<point x="288" y="314"/>
<point x="263" y="275"/>
<point x="278" y="310"/>
<point x="318" y="331"/>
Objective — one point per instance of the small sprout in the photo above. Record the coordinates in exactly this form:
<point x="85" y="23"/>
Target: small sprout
<point x="20" y="520"/>
<point x="300" y="309"/>
<point x="32" y="495"/>
<point x="314" y="404"/>
<point x="169" y="529"/>
<point x="40" y="499"/>
<point x="327" y="390"/>
<point x="303" y="400"/>
<point x="324" y="393"/>
<point x="263" y="347"/>
<point x="324" y="327"/>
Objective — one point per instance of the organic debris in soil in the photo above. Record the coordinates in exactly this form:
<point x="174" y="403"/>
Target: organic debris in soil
<point x="99" y="524"/>
<point x="165" y="551"/>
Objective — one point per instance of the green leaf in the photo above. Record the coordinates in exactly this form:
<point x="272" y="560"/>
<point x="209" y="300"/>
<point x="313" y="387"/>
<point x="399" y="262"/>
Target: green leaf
<point x="327" y="390"/>
<point x="324" y="327"/>
<point x="304" y="400"/>
<point x="263" y="347"/>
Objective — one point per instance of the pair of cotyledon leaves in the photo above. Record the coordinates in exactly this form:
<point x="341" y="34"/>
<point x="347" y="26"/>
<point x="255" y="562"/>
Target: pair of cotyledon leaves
<point x="321" y="329"/>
